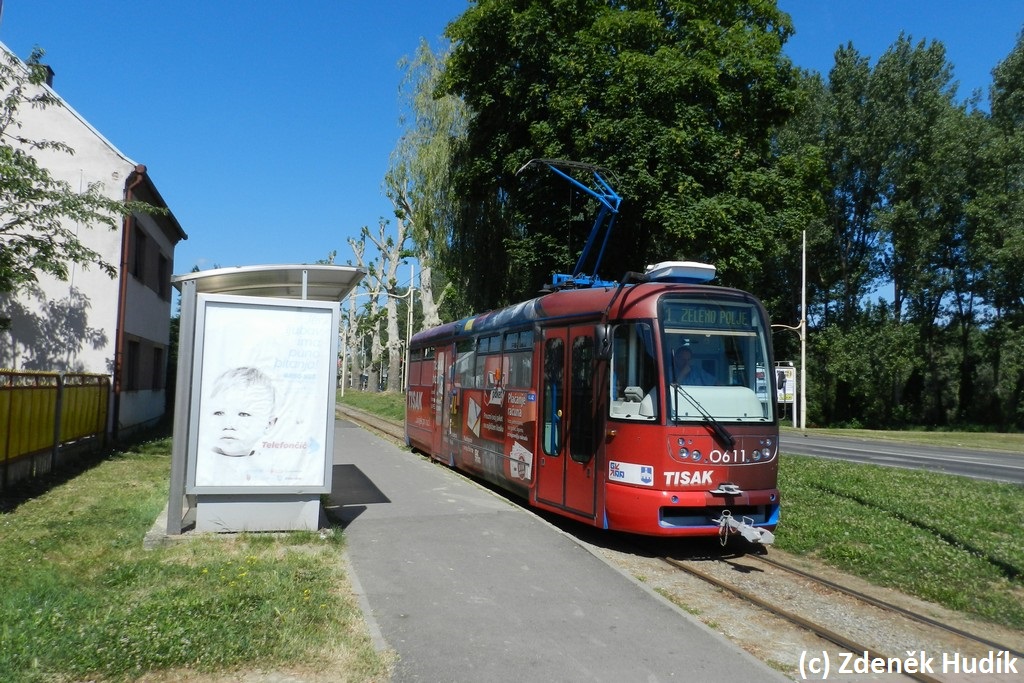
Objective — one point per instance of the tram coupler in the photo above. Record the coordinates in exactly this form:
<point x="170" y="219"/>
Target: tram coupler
<point x="728" y="524"/>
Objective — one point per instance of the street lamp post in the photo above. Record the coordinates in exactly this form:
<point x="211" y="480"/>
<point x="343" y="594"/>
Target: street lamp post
<point x="408" y="324"/>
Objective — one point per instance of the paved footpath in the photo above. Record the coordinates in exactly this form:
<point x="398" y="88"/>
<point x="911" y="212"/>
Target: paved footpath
<point x="466" y="586"/>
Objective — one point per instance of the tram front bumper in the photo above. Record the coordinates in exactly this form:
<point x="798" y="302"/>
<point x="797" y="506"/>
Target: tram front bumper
<point x="685" y="513"/>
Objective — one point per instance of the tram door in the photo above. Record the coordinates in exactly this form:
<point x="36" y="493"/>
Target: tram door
<point x="567" y="473"/>
<point x="440" y="400"/>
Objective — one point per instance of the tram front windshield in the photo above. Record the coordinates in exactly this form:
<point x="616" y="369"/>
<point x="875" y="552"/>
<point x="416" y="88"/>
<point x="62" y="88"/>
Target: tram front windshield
<point x="714" y="363"/>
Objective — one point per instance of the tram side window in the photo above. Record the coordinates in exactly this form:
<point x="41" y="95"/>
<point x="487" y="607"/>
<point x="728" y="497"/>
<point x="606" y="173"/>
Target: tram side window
<point x="415" y="366"/>
<point x="484" y="372"/>
<point x="464" y="365"/>
<point x="421" y="366"/>
<point x="429" y="358"/>
<point x="519" y="359"/>
<point x="634" y="384"/>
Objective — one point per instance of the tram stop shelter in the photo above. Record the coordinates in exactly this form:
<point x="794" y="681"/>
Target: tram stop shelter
<point x="254" y="404"/>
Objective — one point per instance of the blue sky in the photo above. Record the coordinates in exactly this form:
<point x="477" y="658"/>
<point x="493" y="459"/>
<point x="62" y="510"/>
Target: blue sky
<point x="267" y="126"/>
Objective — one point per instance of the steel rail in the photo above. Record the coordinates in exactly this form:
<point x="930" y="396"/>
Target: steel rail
<point x="817" y="629"/>
<point x="390" y="428"/>
<point x="882" y="604"/>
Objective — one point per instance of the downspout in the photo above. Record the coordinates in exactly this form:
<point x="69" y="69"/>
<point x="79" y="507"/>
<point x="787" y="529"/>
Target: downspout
<point x="135" y="178"/>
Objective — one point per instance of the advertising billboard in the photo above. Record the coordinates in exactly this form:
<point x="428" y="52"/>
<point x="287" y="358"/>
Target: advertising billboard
<point x="785" y="384"/>
<point x="264" y="380"/>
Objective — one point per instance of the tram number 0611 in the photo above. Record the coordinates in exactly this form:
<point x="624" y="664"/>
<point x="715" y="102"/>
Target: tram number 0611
<point x="718" y="457"/>
<point x="736" y="457"/>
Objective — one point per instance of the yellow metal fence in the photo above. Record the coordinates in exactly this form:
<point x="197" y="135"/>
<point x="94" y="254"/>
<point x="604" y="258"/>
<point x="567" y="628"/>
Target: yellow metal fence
<point x="44" y="413"/>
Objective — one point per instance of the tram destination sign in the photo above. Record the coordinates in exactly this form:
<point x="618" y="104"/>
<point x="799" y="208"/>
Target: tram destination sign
<point x="717" y="316"/>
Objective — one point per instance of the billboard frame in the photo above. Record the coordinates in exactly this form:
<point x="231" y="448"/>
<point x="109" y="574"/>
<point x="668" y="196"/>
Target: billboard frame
<point x="298" y="363"/>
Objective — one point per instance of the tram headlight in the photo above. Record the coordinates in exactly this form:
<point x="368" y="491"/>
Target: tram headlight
<point x="697" y="456"/>
<point x="684" y="453"/>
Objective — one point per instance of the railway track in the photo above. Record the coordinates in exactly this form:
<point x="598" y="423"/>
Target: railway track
<point x="882" y="604"/>
<point x="883" y="637"/>
<point x="389" y="428"/>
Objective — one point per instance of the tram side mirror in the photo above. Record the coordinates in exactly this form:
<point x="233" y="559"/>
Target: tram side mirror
<point x="602" y="342"/>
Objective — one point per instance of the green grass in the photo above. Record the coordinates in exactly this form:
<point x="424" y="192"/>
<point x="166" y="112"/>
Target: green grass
<point x="83" y="600"/>
<point x="956" y="541"/>
<point x="389" y="405"/>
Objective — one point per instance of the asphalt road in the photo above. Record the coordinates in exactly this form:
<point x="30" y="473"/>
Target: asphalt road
<point x="993" y="465"/>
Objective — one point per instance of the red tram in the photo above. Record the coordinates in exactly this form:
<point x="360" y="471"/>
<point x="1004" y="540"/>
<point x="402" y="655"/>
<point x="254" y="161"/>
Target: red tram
<point x="645" y="407"/>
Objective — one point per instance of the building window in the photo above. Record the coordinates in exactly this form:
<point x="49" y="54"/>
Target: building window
<point x="163" y="284"/>
<point x="144" y="366"/>
<point x="148" y="264"/>
<point x="158" y="368"/>
<point x="138" y="265"/>
<point x="131" y="366"/>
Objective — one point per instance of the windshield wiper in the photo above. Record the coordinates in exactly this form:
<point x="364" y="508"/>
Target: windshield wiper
<point x="717" y="427"/>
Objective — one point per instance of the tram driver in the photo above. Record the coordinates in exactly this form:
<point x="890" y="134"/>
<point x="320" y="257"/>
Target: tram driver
<point x="688" y="371"/>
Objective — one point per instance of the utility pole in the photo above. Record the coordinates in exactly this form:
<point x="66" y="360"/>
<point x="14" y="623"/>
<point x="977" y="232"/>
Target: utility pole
<point x="803" y="334"/>
<point x="801" y="330"/>
<point x="408" y="324"/>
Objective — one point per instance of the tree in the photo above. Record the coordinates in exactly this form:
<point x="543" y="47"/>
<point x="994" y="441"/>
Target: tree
<point x="382" y="279"/>
<point x="39" y="214"/>
<point x="1000" y="207"/>
<point x="359" y="326"/>
<point x="677" y="98"/>
<point x="901" y="159"/>
<point x="418" y="178"/>
<point x="925" y="241"/>
<point x="918" y="131"/>
<point x="851" y="154"/>
<point x="801" y="167"/>
<point x="872" y="360"/>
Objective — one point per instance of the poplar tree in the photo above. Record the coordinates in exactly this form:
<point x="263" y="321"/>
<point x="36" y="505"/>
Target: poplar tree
<point x="418" y="180"/>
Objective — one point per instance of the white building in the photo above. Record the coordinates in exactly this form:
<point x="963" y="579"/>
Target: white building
<point x="92" y="323"/>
